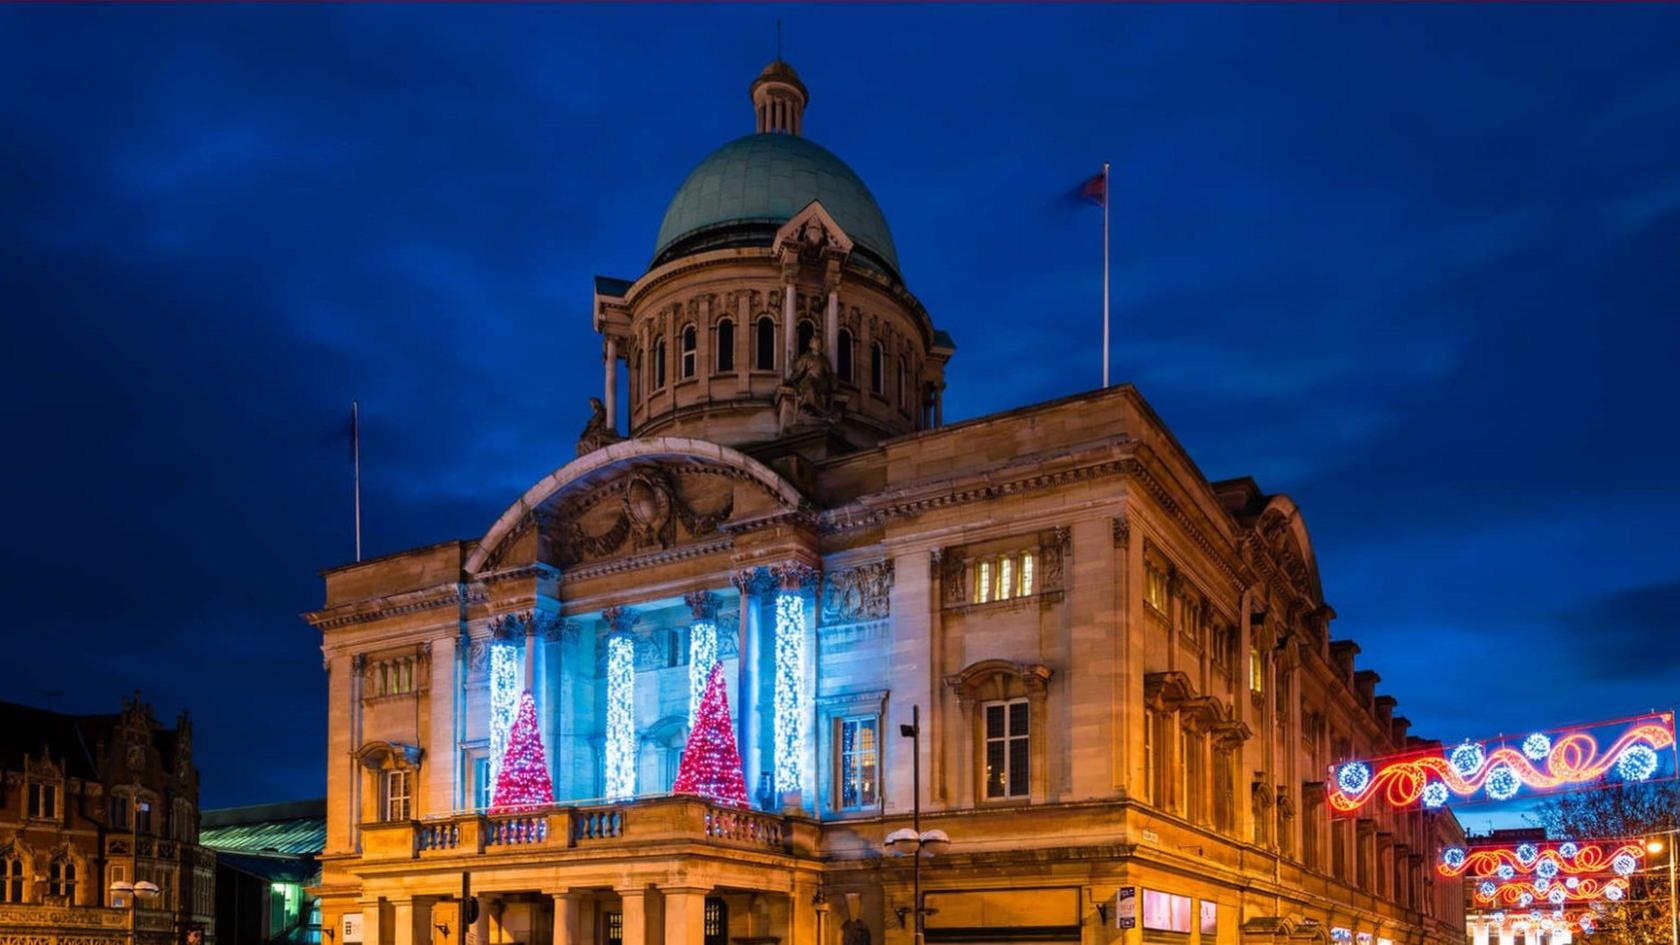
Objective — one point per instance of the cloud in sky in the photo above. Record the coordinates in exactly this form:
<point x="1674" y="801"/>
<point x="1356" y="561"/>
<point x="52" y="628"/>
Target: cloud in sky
<point x="1412" y="266"/>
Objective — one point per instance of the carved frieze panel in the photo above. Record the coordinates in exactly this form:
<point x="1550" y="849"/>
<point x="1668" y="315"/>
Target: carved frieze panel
<point x="652" y="508"/>
<point x="860" y="593"/>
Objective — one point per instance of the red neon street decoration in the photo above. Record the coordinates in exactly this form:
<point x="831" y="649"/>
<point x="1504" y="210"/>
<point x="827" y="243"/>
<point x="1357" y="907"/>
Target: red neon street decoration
<point x="1544" y="859"/>
<point x="1523" y="893"/>
<point x="1497" y="769"/>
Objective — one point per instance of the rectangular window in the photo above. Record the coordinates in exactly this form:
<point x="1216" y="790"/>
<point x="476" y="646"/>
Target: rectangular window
<point x="1223" y="789"/>
<point x="1150" y="762"/>
<point x="1165" y="912"/>
<point x="613" y="928"/>
<point x="483" y="791"/>
<point x="1006" y="576"/>
<point x="143" y="817"/>
<point x="1256" y="670"/>
<point x="42" y="800"/>
<point x="859" y="763"/>
<point x="396" y="795"/>
<point x="1007" y="749"/>
<point x="1210" y="918"/>
<point x="1193" y="777"/>
<point x="1155" y="588"/>
<point x="1026" y="573"/>
<point x="983" y="583"/>
<point x="120" y="811"/>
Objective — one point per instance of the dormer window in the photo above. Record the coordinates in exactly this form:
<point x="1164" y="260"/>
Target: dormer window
<point x="41" y="800"/>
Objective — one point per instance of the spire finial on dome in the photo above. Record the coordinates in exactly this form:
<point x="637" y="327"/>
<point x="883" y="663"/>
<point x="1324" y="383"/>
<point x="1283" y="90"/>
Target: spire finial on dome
<point x="778" y="96"/>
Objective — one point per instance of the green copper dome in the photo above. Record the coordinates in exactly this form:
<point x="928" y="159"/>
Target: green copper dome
<point x="742" y="192"/>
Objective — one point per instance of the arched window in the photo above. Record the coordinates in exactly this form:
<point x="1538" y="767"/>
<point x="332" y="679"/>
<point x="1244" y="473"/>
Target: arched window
<point x="807" y="330"/>
<point x="61" y="879"/>
<point x="725" y="346"/>
<point x="903" y="383"/>
<point x="843" y="356"/>
<point x="11" y="879"/>
<point x="877" y="369"/>
<point x="658" y="363"/>
<point x="690" y="350"/>
<point x="765" y="355"/>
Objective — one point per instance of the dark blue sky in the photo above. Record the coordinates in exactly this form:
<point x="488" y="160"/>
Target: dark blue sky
<point x="1413" y="265"/>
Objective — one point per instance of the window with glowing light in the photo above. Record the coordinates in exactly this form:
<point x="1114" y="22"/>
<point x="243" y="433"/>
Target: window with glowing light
<point x="612" y="928"/>
<point x="1003" y="576"/>
<point x="1256" y="669"/>
<point x="715" y="925"/>
<point x="1008" y="749"/>
<point x="483" y="785"/>
<point x="857" y="767"/>
<point x="396" y="801"/>
<point x="1165" y="912"/>
<point x="1155" y="588"/>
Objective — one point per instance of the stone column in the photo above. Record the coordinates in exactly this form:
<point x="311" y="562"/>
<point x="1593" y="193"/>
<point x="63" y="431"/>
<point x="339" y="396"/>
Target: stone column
<point x="358" y="777"/>
<point x="566" y="909"/>
<point x="621" y="707"/>
<point x="370" y="921"/>
<point x="610" y="401"/>
<point x="633" y="912"/>
<point x="831" y="332"/>
<point x="685" y="914"/>
<point x="481" y="925"/>
<point x="410" y="922"/>
<point x="790" y="323"/>
<point x="793" y="690"/>
<point x="750" y="583"/>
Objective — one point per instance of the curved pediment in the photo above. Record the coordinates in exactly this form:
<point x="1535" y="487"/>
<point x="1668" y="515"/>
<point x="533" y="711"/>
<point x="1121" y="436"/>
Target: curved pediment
<point x="634" y="497"/>
<point x="1282" y="535"/>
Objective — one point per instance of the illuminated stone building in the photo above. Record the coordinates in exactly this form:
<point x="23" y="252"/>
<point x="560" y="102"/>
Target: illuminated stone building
<point x="1125" y="673"/>
<point x="92" y="800"/>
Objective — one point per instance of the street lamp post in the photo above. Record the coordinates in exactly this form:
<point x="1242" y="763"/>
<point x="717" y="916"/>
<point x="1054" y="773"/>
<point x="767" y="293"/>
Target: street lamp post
<point x="1655" y="845"/>
<point x="132" y="893"/>
<point x="915" y="841"/>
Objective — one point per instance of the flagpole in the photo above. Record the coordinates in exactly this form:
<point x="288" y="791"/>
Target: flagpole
<point x="1105" y="274"/>
<point x="356" y="454"/>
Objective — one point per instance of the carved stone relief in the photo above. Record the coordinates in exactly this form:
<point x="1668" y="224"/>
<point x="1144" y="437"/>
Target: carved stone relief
<point x="860" y="593"/>
<point x="651" y="505"/>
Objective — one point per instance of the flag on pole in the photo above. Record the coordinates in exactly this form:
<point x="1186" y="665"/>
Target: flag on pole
<point x="1095" y="189"/>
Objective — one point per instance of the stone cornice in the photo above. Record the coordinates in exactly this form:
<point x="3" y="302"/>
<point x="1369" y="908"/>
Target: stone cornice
<point x="651" y="559"/>
<point x="454" y="594"/>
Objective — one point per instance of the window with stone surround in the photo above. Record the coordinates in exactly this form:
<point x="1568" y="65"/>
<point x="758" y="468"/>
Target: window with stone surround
<point x="725" y="347"/>
<point x="764" y="344"/>
<point x="1191" y="748"/>
<point x="397" y="788"/>
<point x="843" y="357"/>
<point x="690" y="351"/>
<point x="1224" y="789"/>
<point x="61" y="879"/>
<point x="1155" y="587"/>
<point x="659" y="359"/>
<point x="877" y="369"/>
<point x="1004" y="575"/>
<point x="41" y="800"/>
<point x="857" y="766"/>
<point x="1008" y="753"/>
<point x="1256" y="669"/>
<point x="11" y="879"/>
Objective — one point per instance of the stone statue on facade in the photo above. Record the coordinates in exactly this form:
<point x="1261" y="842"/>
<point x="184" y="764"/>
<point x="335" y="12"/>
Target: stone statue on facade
<point x="596" y="433"/>
<point x="808" y="391"/>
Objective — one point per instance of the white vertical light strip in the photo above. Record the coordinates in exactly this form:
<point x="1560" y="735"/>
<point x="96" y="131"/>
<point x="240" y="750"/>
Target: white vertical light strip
<point x="504" y="702"/>
<point x="789" y="731"/>
<point x="621" y="717"/>
<point x="702" y="653"/>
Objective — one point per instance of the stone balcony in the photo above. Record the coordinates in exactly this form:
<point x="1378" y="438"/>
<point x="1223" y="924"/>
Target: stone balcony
<point x="631" y="827"/>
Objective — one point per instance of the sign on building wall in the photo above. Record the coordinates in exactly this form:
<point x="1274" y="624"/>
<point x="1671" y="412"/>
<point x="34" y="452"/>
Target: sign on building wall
<point x="352" y="928"/>
<point x="1125" y="907"/>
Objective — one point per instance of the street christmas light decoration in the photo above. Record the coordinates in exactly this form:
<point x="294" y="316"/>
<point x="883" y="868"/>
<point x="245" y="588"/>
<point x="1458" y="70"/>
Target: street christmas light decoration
<point x="522" y="782"/>
<point x="621" y="717"/>
<point x="1524" y="893"/>
<point x="1631" y="751"/>
<point x="711" y="764"/>
<point x="1546" y="861"/>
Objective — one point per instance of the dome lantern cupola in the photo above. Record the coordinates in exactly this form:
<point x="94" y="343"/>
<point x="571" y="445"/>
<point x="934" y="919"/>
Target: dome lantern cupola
<point x="779" y="99"/>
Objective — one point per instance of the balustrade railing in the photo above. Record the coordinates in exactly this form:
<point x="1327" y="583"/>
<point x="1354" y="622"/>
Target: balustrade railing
<point x="516" y="830"/>
<point x="441" y="836"/>
<point x="744" y="826"/>
<point x="597" y="823"/>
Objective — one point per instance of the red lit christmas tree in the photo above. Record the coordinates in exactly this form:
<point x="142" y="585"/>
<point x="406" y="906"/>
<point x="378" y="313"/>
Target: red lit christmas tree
<point x="711" y="767"/>
<point x="523" y="781"/>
